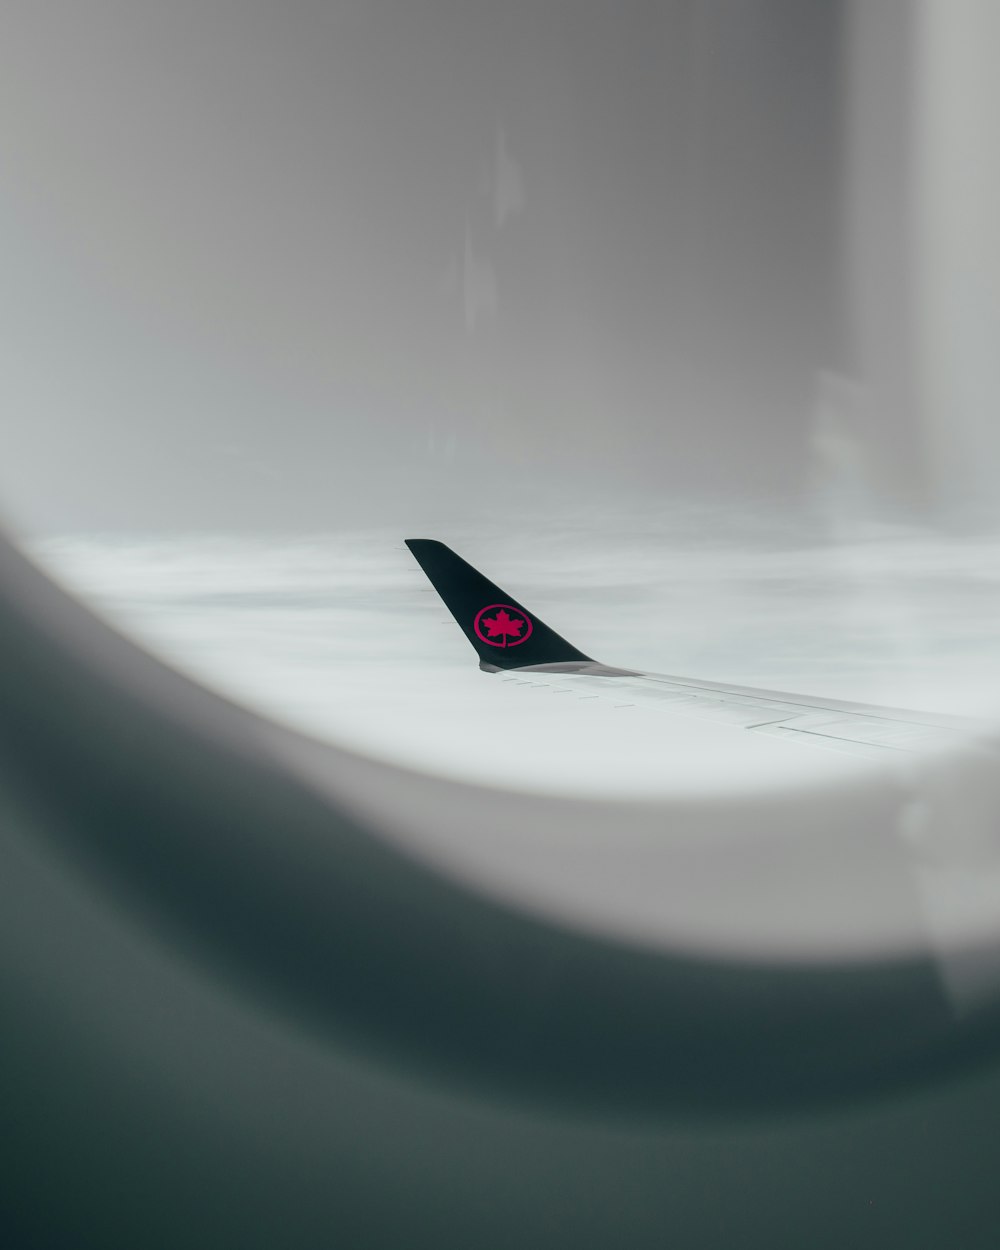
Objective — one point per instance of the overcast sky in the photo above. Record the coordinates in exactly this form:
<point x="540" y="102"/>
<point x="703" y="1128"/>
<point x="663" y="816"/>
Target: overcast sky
<point x="290" y="265"/>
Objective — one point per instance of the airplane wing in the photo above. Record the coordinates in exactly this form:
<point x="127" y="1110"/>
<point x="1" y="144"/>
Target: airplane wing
<point x="511" y="640"/>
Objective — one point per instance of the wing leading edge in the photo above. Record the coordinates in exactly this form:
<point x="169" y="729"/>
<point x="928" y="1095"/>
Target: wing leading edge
<point x="507" y="637"/>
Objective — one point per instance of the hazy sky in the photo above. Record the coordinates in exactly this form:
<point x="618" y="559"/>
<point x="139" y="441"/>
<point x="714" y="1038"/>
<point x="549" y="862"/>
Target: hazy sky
<point x="287" y="265"/>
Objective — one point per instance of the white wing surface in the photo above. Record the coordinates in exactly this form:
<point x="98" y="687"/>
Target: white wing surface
<point x="515" y="642"/>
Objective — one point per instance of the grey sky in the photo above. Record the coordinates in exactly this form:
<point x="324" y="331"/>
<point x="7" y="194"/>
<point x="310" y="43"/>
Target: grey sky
<point x="278" y="265"/>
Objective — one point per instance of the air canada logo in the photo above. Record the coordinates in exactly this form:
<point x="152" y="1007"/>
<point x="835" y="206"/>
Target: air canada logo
<point x="500" y="625"/>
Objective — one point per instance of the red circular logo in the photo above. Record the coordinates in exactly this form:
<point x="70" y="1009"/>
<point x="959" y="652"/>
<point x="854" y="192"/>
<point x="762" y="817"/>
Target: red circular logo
<point x="500" y="625"/>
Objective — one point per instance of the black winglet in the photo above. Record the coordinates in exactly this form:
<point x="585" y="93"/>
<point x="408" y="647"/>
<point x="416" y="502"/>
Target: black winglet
<point x="504" y="634"/>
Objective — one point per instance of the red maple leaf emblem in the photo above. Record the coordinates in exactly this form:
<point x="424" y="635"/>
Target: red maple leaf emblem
<point x="503" y="625"/>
